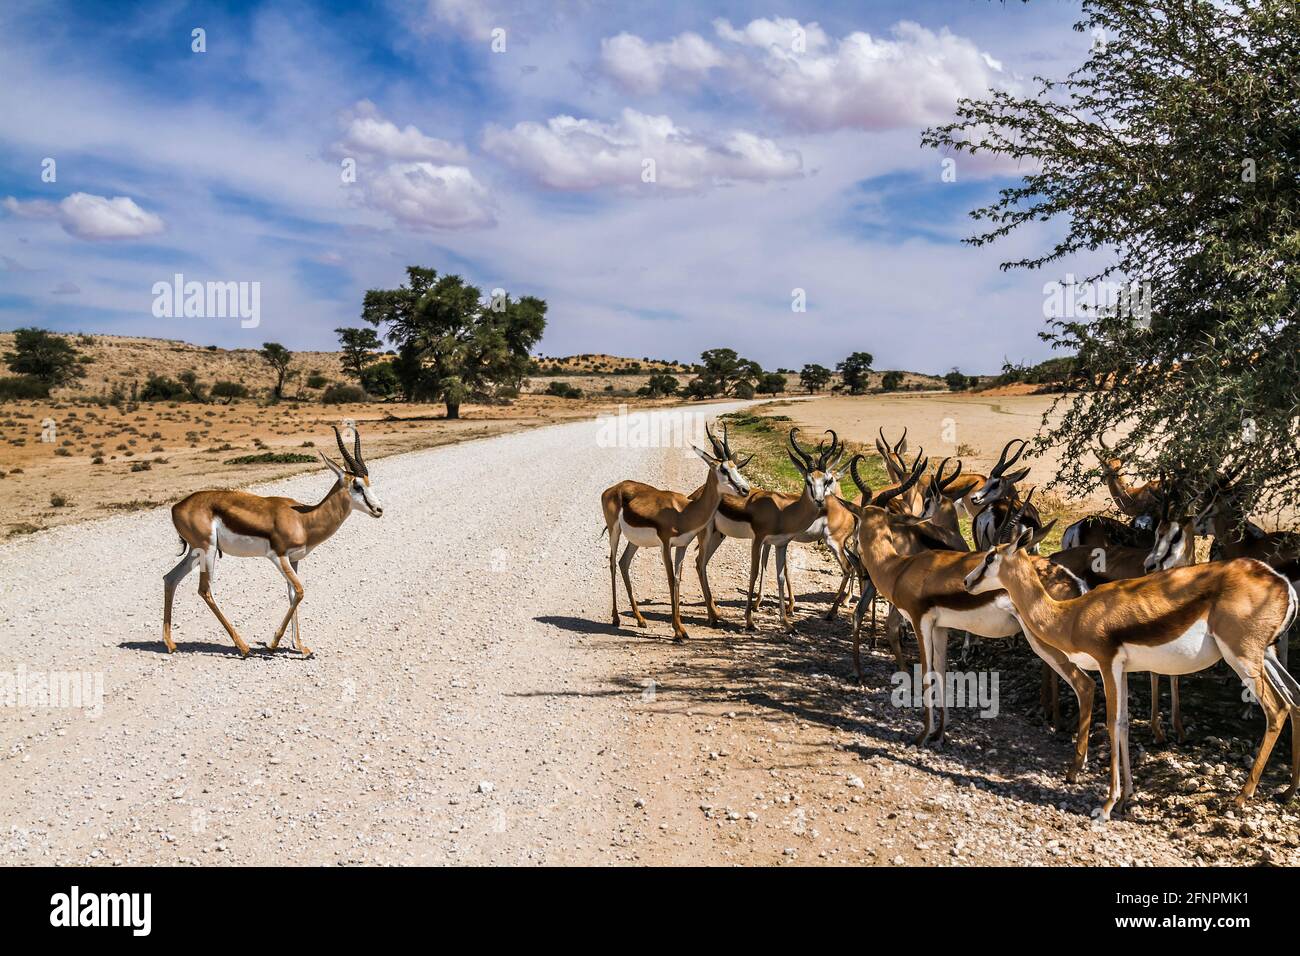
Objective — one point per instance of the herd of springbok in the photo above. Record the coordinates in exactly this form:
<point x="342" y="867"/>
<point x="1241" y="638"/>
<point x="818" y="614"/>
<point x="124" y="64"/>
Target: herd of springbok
<point x="1119" y="597"/>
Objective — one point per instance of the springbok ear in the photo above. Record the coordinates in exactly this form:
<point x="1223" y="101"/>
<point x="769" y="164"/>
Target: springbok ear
<point x="332" y="466"/>
<point x="1017" y="476"/>
<point x="1023" y="539"/>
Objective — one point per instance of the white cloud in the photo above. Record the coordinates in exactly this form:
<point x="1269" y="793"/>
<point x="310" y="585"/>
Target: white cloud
<point x="418" y="180"/>
<point x="90" y="217"/>
<point x="914" y="77"/>
<point x="423" y="195"/>
<point x="643" y="67"/>
<point x="579" y="154"/>
<point x="366" y="132"/>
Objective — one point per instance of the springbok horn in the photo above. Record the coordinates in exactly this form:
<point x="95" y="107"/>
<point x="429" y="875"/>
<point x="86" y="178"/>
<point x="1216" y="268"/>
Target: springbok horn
<point x="827" y="455"/>
<point x="356" y="450"/>
<point x="1003" y="464"/>
<point x="794" y="442"/>
<point x="353" y="468"/>
<point x="889" y="494"/>
<point x="863" y="487"/>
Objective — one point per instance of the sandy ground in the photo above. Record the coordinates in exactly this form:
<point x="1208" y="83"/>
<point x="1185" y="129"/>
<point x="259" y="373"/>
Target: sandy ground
<point x="155" y="453"/>
<point x="469" y="702"/>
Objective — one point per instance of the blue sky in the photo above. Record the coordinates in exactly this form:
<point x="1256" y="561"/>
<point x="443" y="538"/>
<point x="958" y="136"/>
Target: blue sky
<point x="784" y="143"/>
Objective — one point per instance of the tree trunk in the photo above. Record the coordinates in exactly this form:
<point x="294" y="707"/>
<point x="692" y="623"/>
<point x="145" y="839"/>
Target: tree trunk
<point x="453" y="409"/>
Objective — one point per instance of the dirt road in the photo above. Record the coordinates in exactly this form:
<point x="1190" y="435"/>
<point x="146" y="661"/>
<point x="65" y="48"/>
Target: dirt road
<point x="469" y="703"/>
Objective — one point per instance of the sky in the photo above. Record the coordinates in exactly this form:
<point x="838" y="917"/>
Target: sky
<point x="669" y="177"/>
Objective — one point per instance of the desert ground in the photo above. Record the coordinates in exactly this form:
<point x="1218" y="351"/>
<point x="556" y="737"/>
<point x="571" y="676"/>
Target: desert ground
<point x="469" y="701"/>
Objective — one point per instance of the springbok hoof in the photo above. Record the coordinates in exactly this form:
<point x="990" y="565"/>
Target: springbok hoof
<point x="680" y="638"/>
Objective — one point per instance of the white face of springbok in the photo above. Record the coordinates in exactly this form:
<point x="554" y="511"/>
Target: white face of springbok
<point x="821" y="476"/>
<point x="355" y="477"/>
<point x="730" y="480"/>
<point x="1000" y="484"/>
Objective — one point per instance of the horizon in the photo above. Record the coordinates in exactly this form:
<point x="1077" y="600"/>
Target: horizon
<point x="507" y="142"/>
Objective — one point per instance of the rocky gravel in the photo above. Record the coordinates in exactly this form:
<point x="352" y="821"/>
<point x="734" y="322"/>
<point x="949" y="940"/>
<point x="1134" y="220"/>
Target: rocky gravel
<point x="468" y="702"/>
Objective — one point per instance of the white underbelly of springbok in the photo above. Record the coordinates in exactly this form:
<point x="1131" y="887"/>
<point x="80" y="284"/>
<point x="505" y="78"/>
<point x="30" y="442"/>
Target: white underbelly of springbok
<point x="648" y="537"/>
<point x="240" y="545"/>
<point x="733" y="529"/>
<point x="987" y="621"/>
<point x="1193" y="650"/>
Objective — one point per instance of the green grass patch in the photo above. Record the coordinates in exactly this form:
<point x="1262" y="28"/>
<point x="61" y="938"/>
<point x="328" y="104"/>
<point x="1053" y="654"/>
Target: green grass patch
<point x="764" y="436"/>
<point x="272" y="458"/>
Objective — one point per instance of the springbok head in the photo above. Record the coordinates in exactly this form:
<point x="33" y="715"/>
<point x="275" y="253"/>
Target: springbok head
<point x="1001" y="482"/>
<point x="820" y="474"/>
<point x="1175" y="539"/>
<point x="999" y="559"/>
<point x="355" y="476"/>
<point x="724" y="463"/>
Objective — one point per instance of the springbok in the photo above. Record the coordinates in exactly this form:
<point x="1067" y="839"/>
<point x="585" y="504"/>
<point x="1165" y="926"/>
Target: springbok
<point x="773" y="518"/>
<point x="245" y="525"/>
<point x="651" y="517"/>
<point x="1170" y="622"/>
<point x="1137" y="501"/>
<point x="997" y="498"/>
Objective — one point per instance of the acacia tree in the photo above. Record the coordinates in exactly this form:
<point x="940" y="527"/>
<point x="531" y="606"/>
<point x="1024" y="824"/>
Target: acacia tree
<point x="855" y="372"/>
<point x="453" y="343"/>
<point x="814" y="377"/>
<point x="358" y="346"/>
<point x="278" y="357"/>
<point x="1173" y="152"/>
<point x="50" y="359"/>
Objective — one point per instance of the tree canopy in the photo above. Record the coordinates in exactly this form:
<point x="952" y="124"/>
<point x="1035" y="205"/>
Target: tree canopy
<point x="1171" y="153"/>
<point x="453" y="344"/>
<point x="50" y="359"/>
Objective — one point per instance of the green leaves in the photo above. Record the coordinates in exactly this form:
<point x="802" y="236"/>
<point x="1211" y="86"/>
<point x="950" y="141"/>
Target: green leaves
<point x="1172" y="150"/>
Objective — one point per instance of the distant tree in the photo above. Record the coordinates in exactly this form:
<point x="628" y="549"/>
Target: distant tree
<point x="278" y="357"/>
<point x="771" y="383"/>
<point x="229" y="391"/>
<point x="723" y="371"/>
<point x="814" y="377"/>
<point x="359" y="346"/>
<point x="891" y="381"/>
<point x="661" y="384"/>
<point x="743" y="389"/>
<point x="196" y="390"/>
<point x="454" y="344"/>
<point x="957" y="382"/>
<point x="50" y="359"/>
<point x="856" y="372"/>
<point x="160" y="388"/>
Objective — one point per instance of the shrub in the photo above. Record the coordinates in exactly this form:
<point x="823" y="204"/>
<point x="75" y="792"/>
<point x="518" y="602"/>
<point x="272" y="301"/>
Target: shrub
<point x="380" y="379"/>
<point x="343" y="394"/>
<point x="317" y="381"/>
<point x="563" y="390"/>
<point x="272" y="458"/>
<point x="160" y="388"/>
<point x="229" y="390"/>
<point x="22" y="386"/>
